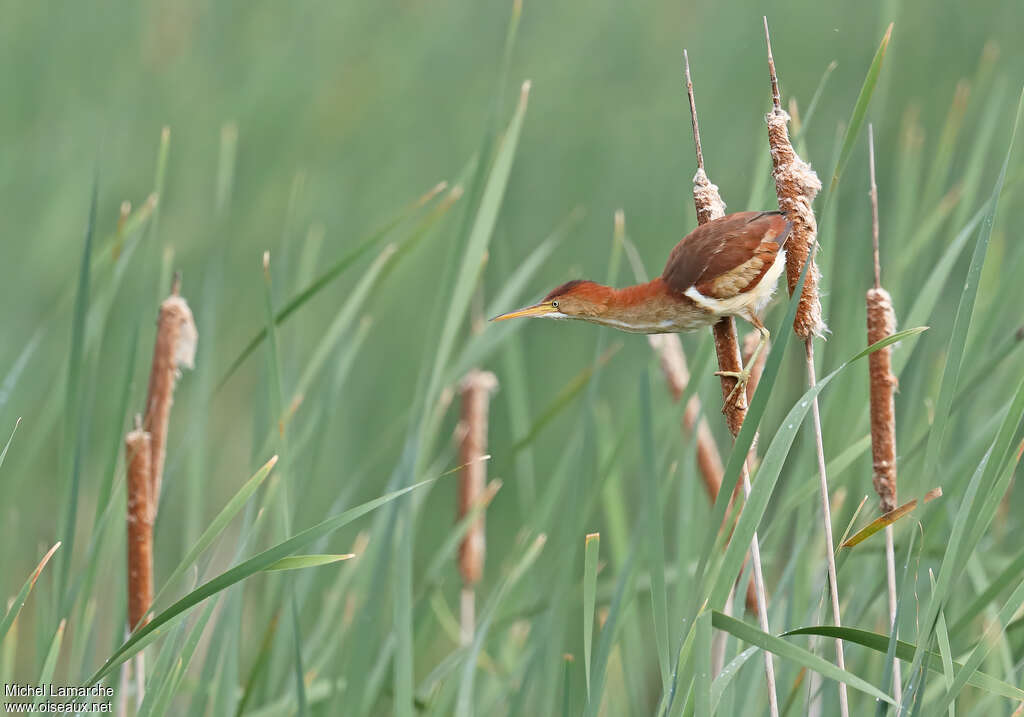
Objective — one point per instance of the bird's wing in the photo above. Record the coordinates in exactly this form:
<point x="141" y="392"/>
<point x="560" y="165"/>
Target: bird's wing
<point x="727" y="256"/>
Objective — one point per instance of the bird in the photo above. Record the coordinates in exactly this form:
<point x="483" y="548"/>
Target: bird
<point x="726" y="267"/>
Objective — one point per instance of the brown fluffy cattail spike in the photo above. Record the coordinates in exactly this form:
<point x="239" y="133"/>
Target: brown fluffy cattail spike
<point x="138" y="447"/>
<point x="476" y="389"/>
<point x="796" y="185"/>
<point x="881" y="324"/>
<point x="175" y="348"/>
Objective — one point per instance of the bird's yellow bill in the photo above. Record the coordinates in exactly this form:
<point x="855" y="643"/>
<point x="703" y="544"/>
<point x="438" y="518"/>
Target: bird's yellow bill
<point x="542" y="309"/>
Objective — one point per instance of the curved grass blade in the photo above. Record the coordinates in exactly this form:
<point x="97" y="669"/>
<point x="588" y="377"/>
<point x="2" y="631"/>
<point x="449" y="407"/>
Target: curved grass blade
<point x="905" y="651"/>
<point x="888" y="519"/>
<point x="19" y="602"/>
<point x="793" y="653"/>
<point x="727" y="674"/>
<point x="329" y="275"/>
<point x="297" y="562"/>
<point x="218" y="525"/>
<point x="592" y="547"/>
<point x="243" y="570"/>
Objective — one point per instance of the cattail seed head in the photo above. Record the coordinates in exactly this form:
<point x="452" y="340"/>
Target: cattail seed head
<point x="881" y="324"/>
<point x="706" y="198"/>
<point x="138" y="452"/>
<point x="175" y="348"/>
<point x="475" y="389"/>
<point x="796" y="185"/>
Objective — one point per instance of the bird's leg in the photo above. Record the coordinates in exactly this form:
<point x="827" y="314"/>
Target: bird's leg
<point x="743" y="376"/>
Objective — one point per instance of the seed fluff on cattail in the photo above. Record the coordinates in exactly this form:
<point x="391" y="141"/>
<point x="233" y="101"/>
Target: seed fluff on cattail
<point x="175" y="348"/>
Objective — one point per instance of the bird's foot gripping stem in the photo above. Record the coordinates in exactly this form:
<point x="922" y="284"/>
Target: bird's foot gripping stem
<point x="742" y="377"/>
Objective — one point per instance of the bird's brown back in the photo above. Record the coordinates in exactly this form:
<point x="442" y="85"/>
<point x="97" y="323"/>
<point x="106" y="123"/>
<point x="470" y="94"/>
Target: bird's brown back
<point x="727" y="256"/>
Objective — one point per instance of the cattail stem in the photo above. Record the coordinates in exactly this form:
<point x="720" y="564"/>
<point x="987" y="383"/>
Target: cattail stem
<point x="882" y="323"/>
<point x="175" y="348"/>
<point x="709" y="205"/>
<point x="796" y="185"/>
<point x="476" y="389"/>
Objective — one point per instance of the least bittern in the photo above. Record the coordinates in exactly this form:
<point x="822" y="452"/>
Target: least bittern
<point x="726" y="267"/>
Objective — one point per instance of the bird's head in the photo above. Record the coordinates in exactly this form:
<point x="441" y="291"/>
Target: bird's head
<point x="577" y="299"/>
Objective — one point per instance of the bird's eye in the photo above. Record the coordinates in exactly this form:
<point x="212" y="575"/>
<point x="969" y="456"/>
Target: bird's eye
<point x="554" y="304"/>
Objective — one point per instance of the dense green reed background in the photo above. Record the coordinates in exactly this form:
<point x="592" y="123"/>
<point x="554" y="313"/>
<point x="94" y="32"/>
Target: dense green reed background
<point x="305" y="129"/>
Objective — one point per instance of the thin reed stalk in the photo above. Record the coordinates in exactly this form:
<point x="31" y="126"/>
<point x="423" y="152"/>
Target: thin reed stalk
<point x="709" y="205"/>
<point x="475" y="389"/>
<point x="881" y="324"/>
<point x="796" y="185"/>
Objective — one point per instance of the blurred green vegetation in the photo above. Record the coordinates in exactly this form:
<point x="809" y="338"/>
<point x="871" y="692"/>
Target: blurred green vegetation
<point x="346" y="112"/>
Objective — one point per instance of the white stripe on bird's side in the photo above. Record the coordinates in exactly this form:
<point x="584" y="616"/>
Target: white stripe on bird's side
<point x="751" y="301"/>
